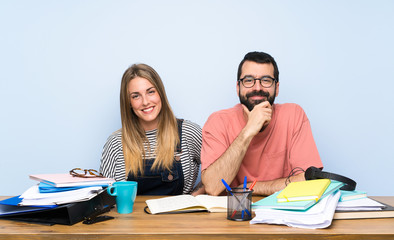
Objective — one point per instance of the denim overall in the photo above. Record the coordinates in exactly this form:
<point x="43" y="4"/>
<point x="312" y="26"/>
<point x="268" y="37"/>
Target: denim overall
<point x="162" y="182"/>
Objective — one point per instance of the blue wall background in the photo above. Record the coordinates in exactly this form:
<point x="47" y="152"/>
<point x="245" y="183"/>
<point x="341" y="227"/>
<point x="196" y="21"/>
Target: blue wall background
<point x="61" y="63"/>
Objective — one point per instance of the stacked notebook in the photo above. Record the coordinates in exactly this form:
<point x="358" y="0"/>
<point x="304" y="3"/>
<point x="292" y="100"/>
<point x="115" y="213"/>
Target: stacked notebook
<point x="275" y="201"/>
<point x="59" y="199"/>
<point x="315" y="203"/>
<point x="356" y="204"/>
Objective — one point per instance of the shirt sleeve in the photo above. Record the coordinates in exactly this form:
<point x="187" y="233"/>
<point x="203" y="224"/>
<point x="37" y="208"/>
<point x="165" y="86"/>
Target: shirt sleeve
<point x="214" y="140"/>
<point x="194" y="138"/>
<point x="303" y="152"/>
<point x="191" y="145"/>
<point x="112" y="160"/>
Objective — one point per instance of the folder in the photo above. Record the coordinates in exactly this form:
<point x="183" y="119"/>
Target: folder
<point x="67" y="214"/>
<point x="67" y="180"/>
<point x="10" y="207"/>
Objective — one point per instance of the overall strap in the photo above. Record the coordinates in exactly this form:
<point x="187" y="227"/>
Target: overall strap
<point x="179" y="123"/>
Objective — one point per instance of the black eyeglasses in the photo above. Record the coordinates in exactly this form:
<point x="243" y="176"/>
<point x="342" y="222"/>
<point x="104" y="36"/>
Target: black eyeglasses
<point x="265" y="81"/>
<point x="85" y="173"/>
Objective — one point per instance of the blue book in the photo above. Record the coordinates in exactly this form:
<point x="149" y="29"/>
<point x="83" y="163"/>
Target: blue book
<point x="333" y="187"/>
<point x="352" y="195"/>
<point x="46" y="188"/>
<point x="271" y="201"/>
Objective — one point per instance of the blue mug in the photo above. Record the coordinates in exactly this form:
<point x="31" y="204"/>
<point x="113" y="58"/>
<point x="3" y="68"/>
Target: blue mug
<point x="125" y="193"/>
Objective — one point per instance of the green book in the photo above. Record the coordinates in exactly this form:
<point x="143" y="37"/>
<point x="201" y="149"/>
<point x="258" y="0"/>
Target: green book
<point x="352" y="195"/>
<point x="271" y="201"/>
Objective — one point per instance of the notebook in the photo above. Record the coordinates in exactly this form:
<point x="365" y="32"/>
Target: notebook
<point x="304" y="190"/>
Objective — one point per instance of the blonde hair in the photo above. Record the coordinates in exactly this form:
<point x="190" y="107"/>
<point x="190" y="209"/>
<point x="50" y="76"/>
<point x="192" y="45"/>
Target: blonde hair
<point x="133" y="135"/>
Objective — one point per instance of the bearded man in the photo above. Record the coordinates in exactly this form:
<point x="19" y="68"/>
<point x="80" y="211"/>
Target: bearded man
<point x="268" y="142"/>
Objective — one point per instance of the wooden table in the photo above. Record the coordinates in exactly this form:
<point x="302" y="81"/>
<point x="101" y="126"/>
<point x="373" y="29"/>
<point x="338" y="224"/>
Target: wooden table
<point x="202" y="225"/>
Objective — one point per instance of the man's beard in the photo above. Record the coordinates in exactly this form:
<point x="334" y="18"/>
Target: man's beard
<point x="251" y="103"/>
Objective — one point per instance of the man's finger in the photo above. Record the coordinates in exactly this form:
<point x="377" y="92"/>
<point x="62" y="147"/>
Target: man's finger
<point x="264" y="104"/>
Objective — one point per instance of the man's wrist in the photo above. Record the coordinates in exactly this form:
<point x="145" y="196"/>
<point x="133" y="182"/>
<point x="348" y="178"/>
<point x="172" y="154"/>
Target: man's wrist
<point x="247" y="134"/>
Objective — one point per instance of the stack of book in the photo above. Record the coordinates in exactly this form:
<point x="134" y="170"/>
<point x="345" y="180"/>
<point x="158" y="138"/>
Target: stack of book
<point x="59" y="199"/>
<point x="56" y="189"/>
<point x="315" y="203"/>
<point x="306" y="204"/>
<point x="356" y="204"/>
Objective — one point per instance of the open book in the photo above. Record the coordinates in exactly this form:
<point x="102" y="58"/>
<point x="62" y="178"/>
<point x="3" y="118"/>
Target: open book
<point x="187" y="203"/>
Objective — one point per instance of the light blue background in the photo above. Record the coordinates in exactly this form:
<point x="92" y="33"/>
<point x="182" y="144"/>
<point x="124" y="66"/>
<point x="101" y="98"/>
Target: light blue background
<point x="61" y="64"/>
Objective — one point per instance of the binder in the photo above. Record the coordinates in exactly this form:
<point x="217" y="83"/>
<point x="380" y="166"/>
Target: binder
<point x="67" y="214"/>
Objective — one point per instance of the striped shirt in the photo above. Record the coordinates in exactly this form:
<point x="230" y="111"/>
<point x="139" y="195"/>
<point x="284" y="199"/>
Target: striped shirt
<point x="113" y="164"/>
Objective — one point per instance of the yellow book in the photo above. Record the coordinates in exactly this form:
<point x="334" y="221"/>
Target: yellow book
<point x="305" y="190"/>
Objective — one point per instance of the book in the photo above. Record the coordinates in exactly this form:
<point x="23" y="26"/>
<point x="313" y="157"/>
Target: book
<point x="386" y="212"/>
<point x="304" y="190"/>
<point x="271" y="201"/>
<point x="67" y="180"/>
<point x="351" y="195"/>
<point x="187" y="203"/>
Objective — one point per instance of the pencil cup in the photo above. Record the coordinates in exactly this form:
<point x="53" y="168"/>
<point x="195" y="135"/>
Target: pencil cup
<point x="239" y="204"/>
<point x="125" y="193"/>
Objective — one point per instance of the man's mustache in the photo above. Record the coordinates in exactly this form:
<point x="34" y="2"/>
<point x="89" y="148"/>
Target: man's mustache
<point x="257" y="93"/>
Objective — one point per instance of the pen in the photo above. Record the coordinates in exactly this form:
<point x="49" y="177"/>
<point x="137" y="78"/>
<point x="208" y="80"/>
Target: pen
<point x="254" y="183"/>
<point x="227" y="186"/>
<point x="240" y="202"/>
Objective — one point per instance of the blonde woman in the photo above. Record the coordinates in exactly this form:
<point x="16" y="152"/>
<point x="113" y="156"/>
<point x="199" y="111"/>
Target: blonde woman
<point x="153" y="147"/>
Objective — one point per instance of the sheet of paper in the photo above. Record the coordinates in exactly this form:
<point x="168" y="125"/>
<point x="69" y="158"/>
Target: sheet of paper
<point x="318" y="216"/>
<point x="33" y="197"/>
<point x="362" y="202"/>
